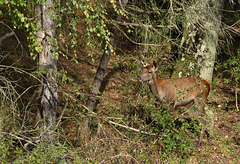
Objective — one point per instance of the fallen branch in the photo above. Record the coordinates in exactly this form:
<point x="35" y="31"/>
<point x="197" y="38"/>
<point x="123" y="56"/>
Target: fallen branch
<point x="131" y="128"/>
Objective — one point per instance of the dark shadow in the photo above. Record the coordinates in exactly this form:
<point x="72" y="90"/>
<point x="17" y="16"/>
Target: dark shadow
<point x="107" y="78"/>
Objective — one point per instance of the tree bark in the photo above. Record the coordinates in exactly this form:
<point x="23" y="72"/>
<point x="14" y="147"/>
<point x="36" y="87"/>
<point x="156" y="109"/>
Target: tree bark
<point x="48" y="67"/>
<point x="204" y="22"/>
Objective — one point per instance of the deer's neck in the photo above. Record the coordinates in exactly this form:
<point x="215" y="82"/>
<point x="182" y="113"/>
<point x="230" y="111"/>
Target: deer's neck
<point x="153" y="84"/>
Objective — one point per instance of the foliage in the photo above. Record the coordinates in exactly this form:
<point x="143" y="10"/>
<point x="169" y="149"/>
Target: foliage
<point x="21" y="14"/>
<point x="234" y="64"/>
<point x="84" y="19"/>
<point x="92" y="16"/>
<point x="127" y="125"/>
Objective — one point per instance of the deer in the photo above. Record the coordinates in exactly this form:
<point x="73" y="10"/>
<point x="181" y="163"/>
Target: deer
<point x="177" y="91"/>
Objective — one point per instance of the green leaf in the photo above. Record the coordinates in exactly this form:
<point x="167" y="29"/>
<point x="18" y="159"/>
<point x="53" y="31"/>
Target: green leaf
<point x="22" y="19"/>
<point x="27" y="25"/>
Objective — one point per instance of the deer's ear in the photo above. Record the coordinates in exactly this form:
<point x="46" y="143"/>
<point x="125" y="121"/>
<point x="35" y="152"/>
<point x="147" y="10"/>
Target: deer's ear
<point x="155" y="65"/>
<point x="145" y="64"/>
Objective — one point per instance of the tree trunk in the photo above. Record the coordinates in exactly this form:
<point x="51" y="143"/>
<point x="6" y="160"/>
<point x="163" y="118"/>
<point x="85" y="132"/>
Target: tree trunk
<point x="102" y="68"/>
<point x="201" y="33"/>
<point x="103" y="64"/>
<point x="48" y="67"/>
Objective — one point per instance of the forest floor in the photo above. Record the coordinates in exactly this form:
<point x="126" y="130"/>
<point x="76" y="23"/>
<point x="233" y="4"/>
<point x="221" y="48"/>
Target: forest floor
<point x="223" y="147"/>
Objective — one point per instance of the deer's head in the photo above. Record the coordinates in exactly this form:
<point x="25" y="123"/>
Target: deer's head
<point x="148" y="71"/>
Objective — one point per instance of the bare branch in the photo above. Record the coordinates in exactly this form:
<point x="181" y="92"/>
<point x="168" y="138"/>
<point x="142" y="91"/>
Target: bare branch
<point x="141" y="25"/>
<point x="6" y="36"/>
<point x="12" y="34"/>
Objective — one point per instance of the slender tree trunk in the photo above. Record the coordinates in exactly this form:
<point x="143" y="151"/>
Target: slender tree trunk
<point x="202" y="28"/>
<point x="103" y="64"/>
<point x="48" y="67"/>
<point x="102" y="68"/>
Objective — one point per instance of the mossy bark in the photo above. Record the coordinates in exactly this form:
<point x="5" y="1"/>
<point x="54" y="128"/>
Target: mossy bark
<point x="200" y="36"/>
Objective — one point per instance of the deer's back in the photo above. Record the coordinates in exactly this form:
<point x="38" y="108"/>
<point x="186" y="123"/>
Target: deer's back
<point x="180" y="88"/>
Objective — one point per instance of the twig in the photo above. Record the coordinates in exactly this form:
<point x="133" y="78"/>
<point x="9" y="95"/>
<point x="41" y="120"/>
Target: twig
<point x="26" y="91"/>
<point x="180" y="115"/>
<point x="137" y="43"/>
<point x="100" y="126"/>
<point x="60" y="118"/>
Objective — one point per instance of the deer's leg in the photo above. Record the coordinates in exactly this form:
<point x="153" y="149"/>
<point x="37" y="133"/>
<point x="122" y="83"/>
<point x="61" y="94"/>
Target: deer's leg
<point x="201" y="110"/>
<point x="201" y="135"/>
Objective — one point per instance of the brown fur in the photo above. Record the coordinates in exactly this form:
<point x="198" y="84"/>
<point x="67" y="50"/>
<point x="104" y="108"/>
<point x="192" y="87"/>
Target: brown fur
<point x="177" y="91"/>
